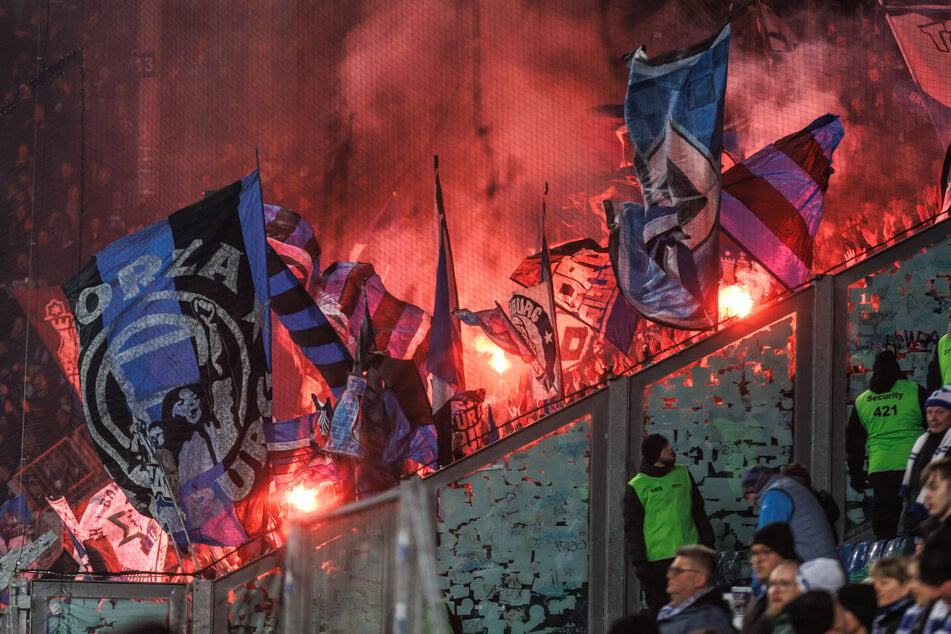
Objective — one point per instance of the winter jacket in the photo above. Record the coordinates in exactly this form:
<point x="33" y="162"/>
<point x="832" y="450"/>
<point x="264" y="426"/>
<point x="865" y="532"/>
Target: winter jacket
<point x="709" y="610"/>
<point x="782" y="499"/>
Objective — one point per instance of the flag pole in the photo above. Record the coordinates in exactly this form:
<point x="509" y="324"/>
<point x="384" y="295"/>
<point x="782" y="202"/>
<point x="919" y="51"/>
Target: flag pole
<point x="546" y="272"/>
<point x="269" y="338"/>
<point x="444" y="360"/>
<point x="267" y="278"/>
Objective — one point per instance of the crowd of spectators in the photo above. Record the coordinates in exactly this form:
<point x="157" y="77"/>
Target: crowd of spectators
<point x="796" y="587"/>
<point x="45" y="232"/>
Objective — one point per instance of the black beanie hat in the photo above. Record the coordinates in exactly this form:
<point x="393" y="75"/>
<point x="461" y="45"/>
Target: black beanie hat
<point x="934" y="564"/>
<point x="859" y="599"/>
<point x="778" y="537"/>
<point x="651" y="448"/>
<point x="885" y="361"/>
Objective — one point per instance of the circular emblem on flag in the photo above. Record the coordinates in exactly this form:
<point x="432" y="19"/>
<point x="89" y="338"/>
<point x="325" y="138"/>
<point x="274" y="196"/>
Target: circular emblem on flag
<point x="172" y="397"/>
<point x="532" y="321"/>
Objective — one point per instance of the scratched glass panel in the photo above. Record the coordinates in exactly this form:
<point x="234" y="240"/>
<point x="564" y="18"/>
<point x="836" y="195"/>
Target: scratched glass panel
<point x="253" y="606"/>
<point x="904" y="308"/>
<point x="352" y="558"/>
<point x="65" y="615"/>
<point x="513" y="538"/>
<point x="726" y="412"/>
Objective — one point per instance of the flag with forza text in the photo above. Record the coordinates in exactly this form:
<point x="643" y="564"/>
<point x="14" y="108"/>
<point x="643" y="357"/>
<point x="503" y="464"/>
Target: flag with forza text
<point x="173" y="337"/>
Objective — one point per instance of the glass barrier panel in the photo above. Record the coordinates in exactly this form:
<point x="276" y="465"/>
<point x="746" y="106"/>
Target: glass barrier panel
<point x="730" y="410"/>
<point x="253" y="606"/>
<point x="352" y="559"/>
<point x="65" y="615"/>
<point x="903" y="308"/>
<point x="513" y="538"/>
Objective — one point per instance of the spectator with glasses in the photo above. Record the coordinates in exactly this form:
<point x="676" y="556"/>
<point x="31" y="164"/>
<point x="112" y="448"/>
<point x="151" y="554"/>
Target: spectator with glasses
<point x="695" y="603"/>
<point x="782" y="588"/>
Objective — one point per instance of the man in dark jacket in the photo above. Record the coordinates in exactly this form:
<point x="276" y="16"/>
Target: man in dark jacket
<point x="931" y="446"/>
<point x="695" y="603"/>
<point x="663" y="510"/>
<point x="888" y="417"/>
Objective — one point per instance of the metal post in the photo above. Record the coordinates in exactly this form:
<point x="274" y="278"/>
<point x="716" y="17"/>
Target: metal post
<point x="433" y="614"/>
<point x="298" y="582"/>
<point x="401" y="562"/>
<point x="203" y="608"/>
<point x="823" y="380"/>
<point x="623" y="431"/>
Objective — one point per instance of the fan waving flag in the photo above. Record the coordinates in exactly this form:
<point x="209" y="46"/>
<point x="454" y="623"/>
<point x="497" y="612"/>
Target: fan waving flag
<point x="665" y="251"/>
<point x="172" y="365"/>
<point x="772" y="201"/>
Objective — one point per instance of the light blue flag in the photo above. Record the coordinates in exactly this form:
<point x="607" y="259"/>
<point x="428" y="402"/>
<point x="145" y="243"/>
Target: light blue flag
<point x="665" y="251"/>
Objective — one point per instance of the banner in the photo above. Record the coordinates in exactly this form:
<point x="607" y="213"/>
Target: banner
<point x="923" y="33"/>
<point x="173" y="337"/>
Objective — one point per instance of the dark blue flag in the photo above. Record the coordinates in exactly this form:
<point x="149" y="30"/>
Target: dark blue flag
<point x="172" y="361"/>
<point x="293" y="264"/>
<point x="493" y="433"/>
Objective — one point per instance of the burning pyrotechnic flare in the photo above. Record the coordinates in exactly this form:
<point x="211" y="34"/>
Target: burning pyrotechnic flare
<point x="735" y="301"/>
<point x="496" y="355"/>
<point x="303" y="499"/>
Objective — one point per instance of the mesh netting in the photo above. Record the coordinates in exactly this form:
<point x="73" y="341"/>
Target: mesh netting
<point x="117" y="114"/>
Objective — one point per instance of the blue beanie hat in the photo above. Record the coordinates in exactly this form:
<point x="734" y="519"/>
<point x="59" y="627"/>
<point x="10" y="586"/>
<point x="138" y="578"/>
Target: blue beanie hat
<point x="752" y="476"/>
<point x="940" y="398"/>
